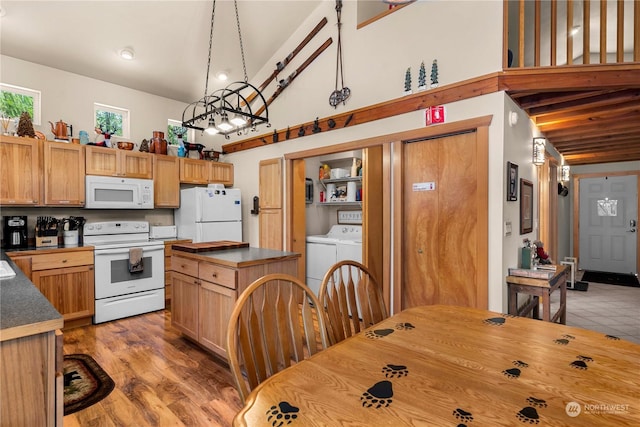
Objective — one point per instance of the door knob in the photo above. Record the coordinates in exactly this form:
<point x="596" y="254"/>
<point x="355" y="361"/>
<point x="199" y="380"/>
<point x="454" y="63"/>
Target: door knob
<point x="419" y="251"/>
<point x="633" y="230"/>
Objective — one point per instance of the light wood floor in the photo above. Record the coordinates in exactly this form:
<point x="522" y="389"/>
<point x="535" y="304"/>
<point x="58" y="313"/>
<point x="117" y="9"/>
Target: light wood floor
<point x="161" y="378"/>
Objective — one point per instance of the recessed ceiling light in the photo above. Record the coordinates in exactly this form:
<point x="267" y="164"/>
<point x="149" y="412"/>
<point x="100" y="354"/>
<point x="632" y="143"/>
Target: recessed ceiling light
<point x="127" y="53"/>
<point x="222" y="75"/>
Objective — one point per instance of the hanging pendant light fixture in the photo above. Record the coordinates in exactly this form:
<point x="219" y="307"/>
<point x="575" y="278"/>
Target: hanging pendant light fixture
<point x="233" y="101"/>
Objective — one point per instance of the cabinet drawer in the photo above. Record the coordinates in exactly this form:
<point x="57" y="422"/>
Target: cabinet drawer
<point x="184" y="266"/>
<point x="217" y="274"/>
<point x="61" y="260"/>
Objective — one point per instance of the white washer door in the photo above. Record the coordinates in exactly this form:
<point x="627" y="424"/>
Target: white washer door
<point x="320" y="257"/>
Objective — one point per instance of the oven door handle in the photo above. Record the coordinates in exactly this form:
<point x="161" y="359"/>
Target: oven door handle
<point x="145" y="250"/>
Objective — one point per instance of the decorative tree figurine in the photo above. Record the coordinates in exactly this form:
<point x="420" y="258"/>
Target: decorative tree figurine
<point x="434" y="73"/>
<point x="25" y="126"/>
<point x="407" y="81"/>
<point x="422" y="78"/>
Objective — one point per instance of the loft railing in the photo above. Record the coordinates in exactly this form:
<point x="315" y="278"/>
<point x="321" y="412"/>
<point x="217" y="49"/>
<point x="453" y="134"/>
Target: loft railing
<point x="570" y="32"/>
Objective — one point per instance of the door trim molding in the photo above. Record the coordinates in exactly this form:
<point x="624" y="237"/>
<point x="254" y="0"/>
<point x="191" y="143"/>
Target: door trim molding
<point x="576" y="208"/>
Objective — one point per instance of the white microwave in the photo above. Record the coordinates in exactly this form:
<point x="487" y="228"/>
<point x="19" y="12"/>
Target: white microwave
<point x="110" y="192"/>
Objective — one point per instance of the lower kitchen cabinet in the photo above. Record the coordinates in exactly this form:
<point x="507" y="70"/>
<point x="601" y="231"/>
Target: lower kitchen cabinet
<point x="184" y="307"/>
<point x="65" y="278"/>
<point x="205" y="289"/>
<point x="167" y="269"/>
<point x="32" y="380"/>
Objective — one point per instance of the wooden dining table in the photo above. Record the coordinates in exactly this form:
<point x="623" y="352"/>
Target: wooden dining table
<point x="454" y="366"/>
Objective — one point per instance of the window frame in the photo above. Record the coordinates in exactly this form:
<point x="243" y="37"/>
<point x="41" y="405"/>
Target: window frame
<point x="191" y="133"/>
<point x="33" y="93"/>
<point x="125" y="113"/>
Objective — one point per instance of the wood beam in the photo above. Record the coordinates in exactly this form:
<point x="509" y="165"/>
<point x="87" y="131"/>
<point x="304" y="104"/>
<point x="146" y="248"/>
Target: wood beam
<point x="418" y="101"/>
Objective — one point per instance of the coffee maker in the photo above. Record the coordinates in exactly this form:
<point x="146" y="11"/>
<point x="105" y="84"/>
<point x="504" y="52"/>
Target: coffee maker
<point x="15" y="232"/>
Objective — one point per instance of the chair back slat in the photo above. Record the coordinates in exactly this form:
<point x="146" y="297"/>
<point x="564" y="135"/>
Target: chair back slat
<point x="275" y="322"/>
<point x="351" y="298"/>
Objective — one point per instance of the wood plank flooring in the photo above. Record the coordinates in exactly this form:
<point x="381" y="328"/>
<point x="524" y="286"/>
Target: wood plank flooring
<point x="161" y="378"/>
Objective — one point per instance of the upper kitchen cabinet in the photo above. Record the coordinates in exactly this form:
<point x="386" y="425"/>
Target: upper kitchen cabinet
<point x="114" y="162"/>
<point x="20" y="182"/>
<point x="166" y="181"/>
<point x="63" y="174"/>
<point x="194" y="171"/>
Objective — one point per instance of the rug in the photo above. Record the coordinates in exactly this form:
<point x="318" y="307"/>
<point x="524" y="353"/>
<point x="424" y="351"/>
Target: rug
<point x="610" y="278"/>
<point x="85" y="382"/>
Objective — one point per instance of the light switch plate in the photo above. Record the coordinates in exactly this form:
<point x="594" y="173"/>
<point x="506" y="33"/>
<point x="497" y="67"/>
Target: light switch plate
<point x="507" y="228"/>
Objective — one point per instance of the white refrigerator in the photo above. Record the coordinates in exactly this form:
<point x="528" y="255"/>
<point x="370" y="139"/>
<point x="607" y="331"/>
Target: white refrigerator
<point x="211" y="213"/>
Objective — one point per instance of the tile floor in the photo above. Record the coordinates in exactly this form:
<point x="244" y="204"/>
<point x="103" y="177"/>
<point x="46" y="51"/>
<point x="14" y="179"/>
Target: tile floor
<point x="610" y="309"/>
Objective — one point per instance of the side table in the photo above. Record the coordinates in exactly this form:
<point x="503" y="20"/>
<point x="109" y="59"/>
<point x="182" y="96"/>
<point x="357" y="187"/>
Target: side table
<point x="539" y="288"/>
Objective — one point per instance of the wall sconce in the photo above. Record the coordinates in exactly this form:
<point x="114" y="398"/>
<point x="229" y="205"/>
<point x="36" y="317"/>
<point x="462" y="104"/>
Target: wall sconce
<point x="566" y="173"/>
<point x="539" y="150"/>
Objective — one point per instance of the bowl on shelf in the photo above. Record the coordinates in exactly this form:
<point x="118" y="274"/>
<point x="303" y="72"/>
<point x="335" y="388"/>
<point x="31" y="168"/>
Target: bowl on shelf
<point x="125" y="145"/>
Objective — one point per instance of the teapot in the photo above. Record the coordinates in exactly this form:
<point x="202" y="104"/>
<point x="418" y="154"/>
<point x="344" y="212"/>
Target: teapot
<point x="60" y="130"/>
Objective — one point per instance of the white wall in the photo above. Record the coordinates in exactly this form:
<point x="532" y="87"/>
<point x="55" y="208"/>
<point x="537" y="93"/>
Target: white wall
<point x="70" y="97"/>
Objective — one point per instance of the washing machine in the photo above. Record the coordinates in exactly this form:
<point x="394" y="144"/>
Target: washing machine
<point x="342" y="242"/>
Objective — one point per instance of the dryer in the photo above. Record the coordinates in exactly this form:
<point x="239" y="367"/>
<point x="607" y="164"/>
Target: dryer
<point x="342" y="242"/>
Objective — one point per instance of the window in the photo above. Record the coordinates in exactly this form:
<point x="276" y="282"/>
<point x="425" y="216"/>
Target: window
<point x="111" y="120"/>
<point x="14" y="100"/>
<point x="174" y="127"/>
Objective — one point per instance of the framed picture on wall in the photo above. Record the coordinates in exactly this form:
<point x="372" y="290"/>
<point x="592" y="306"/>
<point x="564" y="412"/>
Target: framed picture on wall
<point x="512" y="182"/>
<point x="526" y="206"/>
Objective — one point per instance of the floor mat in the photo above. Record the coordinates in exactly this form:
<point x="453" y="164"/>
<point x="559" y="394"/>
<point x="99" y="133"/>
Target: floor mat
<point x="85" y="382"/>
<point x="610" y="278"/>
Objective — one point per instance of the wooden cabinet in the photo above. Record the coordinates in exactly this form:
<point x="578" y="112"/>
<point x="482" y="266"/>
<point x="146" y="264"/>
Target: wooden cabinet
<point x="114" y="162"/>
<point x="194" y="171"/>
<point x="20" y="182"/>
<point x="32" y="387"/>
<point x="166" y="181"/>
<point x="63" y="174"/>
<point x="65" y="278"/>
<point x="221" y="173"/>
<point x="205" y="290"/>
<point x="167" y="268"/>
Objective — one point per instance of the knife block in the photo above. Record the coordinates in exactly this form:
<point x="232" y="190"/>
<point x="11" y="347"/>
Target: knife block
<point x="46" y="241"/>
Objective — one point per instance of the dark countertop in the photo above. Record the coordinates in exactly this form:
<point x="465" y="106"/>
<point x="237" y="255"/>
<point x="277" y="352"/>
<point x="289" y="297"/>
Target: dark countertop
<point x="240" y="257"/>
<point x="24" y="310"/>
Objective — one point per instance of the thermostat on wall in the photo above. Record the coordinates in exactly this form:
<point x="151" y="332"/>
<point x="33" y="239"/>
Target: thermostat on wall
<point x="350" y="217"/>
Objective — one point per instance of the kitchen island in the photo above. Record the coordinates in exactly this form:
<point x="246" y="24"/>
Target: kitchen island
<point x="30" y="354"/>
<point x="206" y="285"/>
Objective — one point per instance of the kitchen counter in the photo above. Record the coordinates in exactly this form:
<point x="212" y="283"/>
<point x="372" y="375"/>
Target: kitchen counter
<point x="241" y="257"/>
<point x="49" y="249"/>
<point x="24" y="310"/>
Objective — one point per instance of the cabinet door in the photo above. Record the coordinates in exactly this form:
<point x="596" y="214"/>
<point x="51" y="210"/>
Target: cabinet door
<point x="166" y="181"/>
<point x="20" y="183"/>
<point x="63" y="174"/>
<point x="270" y="184"/>
<point x="135" y="165"/>
<point x="69" y="290"/>
<point x="184" y="304"/>
<point x="193" y="171"/>
<point x="216" y="305"/>
<point x="101" y="161"/>
<point x="221" y="173"/>
<point x="271" y="229"/>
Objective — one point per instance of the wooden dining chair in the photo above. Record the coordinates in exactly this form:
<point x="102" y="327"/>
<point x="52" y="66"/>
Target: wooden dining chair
<point x="352" y="300"/>
<point x="275" y="322"/>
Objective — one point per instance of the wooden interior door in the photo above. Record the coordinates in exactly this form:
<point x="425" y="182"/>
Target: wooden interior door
<point x="270" y="214"/>
<point x="444" y="214"/>
<point x="548" y="207"/>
